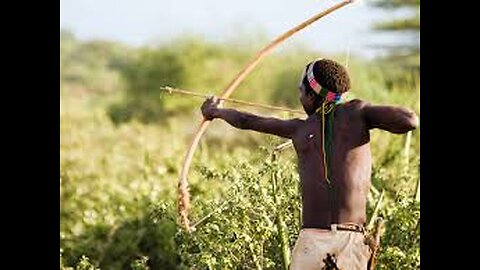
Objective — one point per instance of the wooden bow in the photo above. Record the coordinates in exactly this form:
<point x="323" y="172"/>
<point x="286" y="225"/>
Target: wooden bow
<point x="184" y="196"/>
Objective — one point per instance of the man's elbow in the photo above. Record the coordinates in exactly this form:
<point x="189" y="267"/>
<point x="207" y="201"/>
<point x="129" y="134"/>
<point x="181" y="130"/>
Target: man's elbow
<point x="407" y="122"/>
<point x="410" y="121"/>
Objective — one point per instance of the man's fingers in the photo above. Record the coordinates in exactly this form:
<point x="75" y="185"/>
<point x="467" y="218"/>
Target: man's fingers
<point x="218" y="102"/>
<point x="213" y="100"/>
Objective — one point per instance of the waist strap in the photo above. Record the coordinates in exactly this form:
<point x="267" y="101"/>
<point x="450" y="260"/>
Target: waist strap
<point x="341" y="227"/>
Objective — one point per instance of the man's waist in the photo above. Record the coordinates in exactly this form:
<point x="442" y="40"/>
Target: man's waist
<point x="339" y="227"/>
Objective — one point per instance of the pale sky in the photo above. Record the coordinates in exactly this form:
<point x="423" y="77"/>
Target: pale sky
<point x="143" y="22"/>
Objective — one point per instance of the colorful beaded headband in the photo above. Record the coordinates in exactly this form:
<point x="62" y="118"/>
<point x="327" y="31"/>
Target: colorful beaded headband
<point x="321" y="91"/>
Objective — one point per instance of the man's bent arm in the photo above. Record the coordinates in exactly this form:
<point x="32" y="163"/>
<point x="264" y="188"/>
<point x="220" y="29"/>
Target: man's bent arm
<point x="390" y="118"/>
<point x="270" y="125"/>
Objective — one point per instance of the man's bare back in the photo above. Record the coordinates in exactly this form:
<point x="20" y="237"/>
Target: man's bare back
<point x="349" y="169"/>
<point x="351" y="160"/>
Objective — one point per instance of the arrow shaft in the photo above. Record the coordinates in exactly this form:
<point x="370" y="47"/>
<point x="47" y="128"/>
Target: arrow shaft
<point x="231" y="100"/>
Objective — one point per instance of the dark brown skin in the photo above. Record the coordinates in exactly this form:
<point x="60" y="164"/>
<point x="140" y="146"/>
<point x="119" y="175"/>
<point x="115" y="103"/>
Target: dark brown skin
<point x="351" y="161"/>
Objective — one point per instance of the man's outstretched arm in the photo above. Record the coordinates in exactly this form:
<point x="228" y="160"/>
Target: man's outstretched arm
<point x="390" y="118"/>
<point x="242" y="120"/>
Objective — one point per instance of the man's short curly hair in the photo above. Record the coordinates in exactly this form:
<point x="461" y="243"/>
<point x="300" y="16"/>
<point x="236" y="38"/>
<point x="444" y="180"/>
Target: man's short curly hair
<point x="329" y="74"/>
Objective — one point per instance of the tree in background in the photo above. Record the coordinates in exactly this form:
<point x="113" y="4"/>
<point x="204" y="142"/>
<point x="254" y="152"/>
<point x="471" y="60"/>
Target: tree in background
<point x="91" y="66"/>
<point x="407" y="54"/>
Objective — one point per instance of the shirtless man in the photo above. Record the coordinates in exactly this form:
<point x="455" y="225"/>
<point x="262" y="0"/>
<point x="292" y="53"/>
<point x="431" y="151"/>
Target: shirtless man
<point x="334" y="171"/>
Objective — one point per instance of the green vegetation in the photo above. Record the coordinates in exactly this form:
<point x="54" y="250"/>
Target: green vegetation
<point x="122" y="144"/>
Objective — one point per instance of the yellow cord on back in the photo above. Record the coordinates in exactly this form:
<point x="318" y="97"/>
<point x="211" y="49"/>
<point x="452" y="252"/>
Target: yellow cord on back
<point x="323" y="143"/>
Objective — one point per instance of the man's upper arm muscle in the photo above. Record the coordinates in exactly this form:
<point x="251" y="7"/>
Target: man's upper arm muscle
<point x="270" y="125"/>
<point x="390" y="118"/>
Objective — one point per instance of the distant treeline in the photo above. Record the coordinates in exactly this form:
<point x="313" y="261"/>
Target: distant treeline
<point x="109" y="68"/>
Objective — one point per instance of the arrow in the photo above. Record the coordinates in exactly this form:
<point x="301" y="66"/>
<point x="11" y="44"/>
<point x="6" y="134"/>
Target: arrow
<point x="171" y="90"/>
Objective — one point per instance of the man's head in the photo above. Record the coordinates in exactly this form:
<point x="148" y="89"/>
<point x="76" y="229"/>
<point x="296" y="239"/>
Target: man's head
<point x="318" y="79"/>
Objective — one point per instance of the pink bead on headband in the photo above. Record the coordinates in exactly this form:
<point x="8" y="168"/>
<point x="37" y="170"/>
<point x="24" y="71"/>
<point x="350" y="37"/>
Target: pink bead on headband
<point x="311" y="79"/>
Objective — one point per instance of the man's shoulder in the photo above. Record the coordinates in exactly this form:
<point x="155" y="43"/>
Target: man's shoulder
<point x="355" y="104"/>
<point x="292" y="123"/>
<point x="295" y="120"/>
